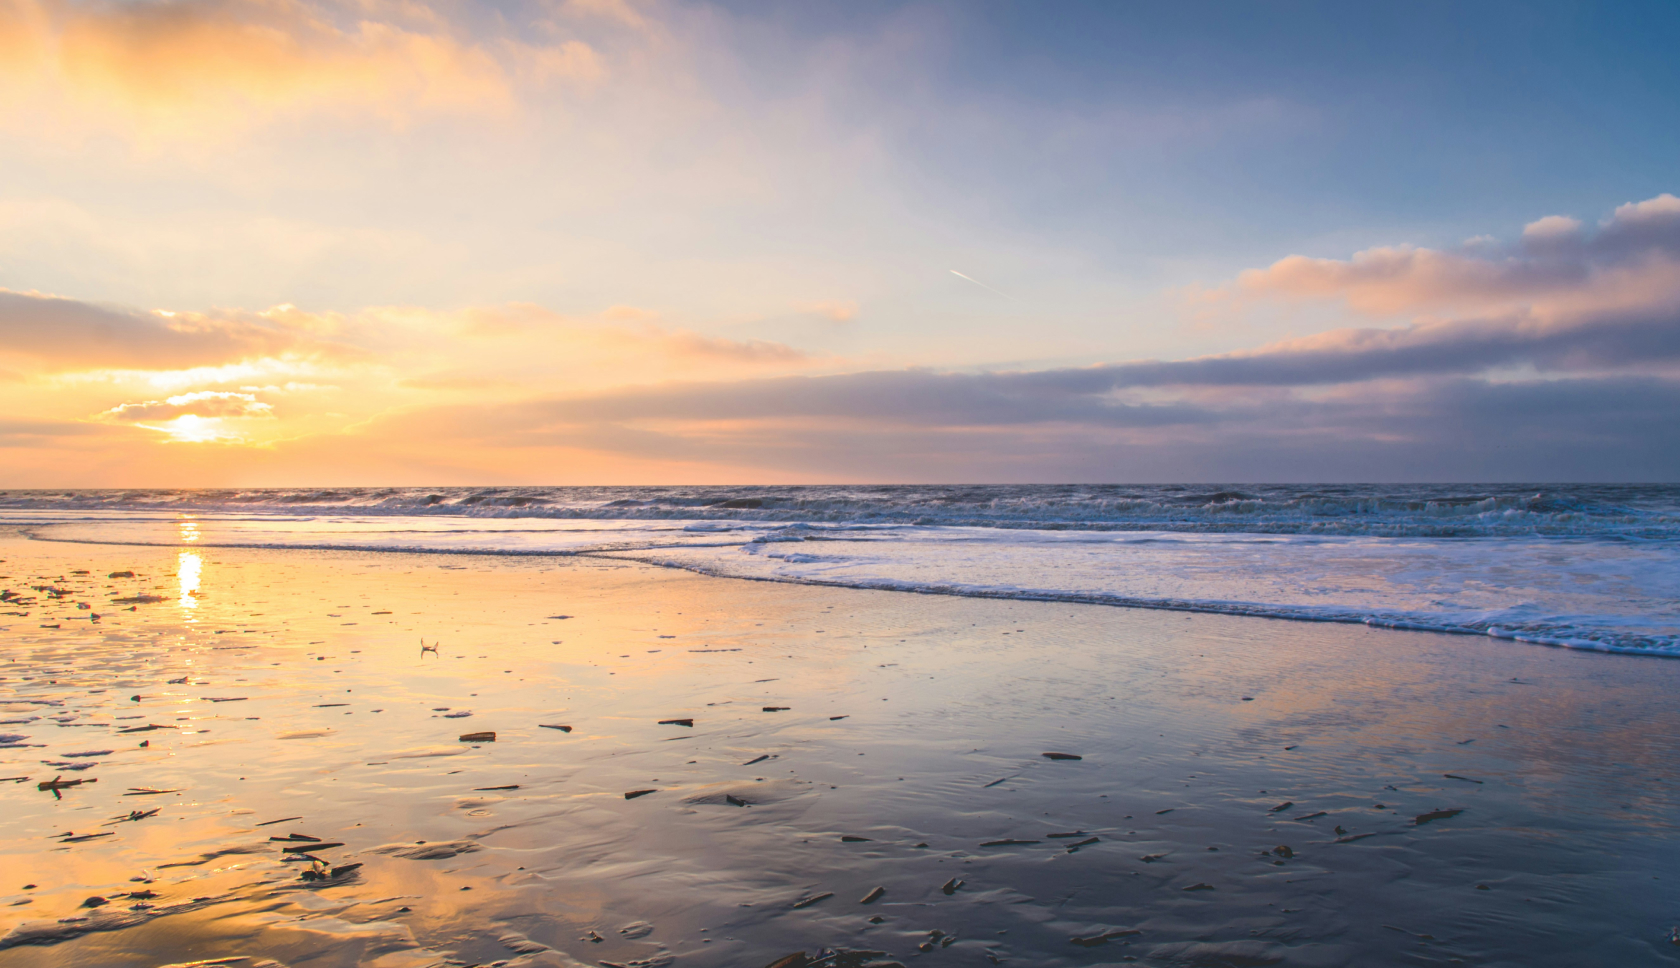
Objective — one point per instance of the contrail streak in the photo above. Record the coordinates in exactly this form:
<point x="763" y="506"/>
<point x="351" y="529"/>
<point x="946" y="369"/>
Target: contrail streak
<point x="980" y="284"/>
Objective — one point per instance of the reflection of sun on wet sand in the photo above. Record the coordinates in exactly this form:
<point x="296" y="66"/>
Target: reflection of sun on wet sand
<point x="698" y="771"/>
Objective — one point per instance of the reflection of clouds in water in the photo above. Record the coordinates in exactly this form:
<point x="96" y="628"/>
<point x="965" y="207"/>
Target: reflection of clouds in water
<point x="188" y="570"/>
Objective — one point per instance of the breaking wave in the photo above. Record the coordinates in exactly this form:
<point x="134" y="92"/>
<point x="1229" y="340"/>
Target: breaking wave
<point x="1635" y="511"/>
<point x="1583" y="566"/>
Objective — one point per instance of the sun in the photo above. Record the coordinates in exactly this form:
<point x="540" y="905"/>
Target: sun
<point x="193" y="429"/>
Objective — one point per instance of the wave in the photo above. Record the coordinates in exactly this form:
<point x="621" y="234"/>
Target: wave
<point x="1607" y="592"/>
<point x="1646" y="512"/>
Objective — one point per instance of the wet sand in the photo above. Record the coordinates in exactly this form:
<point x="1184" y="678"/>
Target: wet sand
<point x="1248" y="792"/>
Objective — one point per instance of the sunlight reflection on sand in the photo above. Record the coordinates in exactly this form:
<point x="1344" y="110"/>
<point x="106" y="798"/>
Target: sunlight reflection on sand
<point x="292" y="685"/>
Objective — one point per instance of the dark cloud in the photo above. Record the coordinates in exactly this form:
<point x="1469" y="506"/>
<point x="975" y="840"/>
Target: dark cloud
<point x="1590" y="429"/>
<point x="1098" y="394"/>
<point x="1606" y="342"/>
<point x="67" y="334"/>
<point x="916" y="397"/>
<point x="1452" y="428"/>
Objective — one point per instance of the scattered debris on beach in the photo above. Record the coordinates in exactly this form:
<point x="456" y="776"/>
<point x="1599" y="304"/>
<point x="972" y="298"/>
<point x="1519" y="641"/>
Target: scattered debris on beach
<point x="568" y="787"/>
<point x="1096" y="940"/>
<point x="57" y="783"/>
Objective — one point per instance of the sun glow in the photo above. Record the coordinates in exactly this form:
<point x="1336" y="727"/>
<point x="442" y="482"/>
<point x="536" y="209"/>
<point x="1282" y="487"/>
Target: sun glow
<point x="193" y="429"/>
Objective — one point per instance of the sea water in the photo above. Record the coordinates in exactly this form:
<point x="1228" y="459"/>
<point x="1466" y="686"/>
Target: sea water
<point x="1581" y="566"/>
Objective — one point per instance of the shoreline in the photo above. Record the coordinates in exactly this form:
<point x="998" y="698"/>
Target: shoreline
<point x="942" y="696"/>
<point x="649" y="557"/>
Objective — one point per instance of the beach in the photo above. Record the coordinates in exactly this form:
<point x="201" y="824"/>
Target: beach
<point x="1232" y="790"/>
<point x="907" y="484"/>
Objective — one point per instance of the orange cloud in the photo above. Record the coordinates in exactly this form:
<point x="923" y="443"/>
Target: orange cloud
<point x="625" y="328"/>
<point x="24" y="29"/>
<point x="1631" y="261"/>
<point x="203" y="403"/>
<point x="189" y="64"/>
<point x="833" y="310"/>
<point x="212" y="378"/>
<point x="1381" y="281"/>
<point x="615" y="10"/>
<point x="445" y="381"/>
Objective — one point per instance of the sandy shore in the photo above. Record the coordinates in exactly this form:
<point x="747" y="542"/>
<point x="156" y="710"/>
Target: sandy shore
<point x="1248" y="792"/>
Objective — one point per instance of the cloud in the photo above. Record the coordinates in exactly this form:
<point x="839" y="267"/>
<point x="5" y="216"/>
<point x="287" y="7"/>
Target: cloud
<point x="1418" y="430"/>
<point x="1523" y="374"/>
<point x="620" y="11"/>
<point x="1565" y="343"/>
<point x="29" y="433"/>
<point x="23" y="32"/>
<point x="1118" y="394"/>
<point x="1623" y="340"/>
<point x="1562" y="298"/>
<point x="199" y="64"/>
<point x="899" y="397"/>
<point x="833" y="310"/>
<point x="203" y="403"/>
<point x="751" y="351"/>
<point x="66" y="334"/>
<point x="445" y="381"/>
<point x="622" y="329"/>
<point x="1542" y="231"/>
<point x="1556" y="268"/>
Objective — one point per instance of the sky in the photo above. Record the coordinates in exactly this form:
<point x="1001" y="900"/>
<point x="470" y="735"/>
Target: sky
<point x="430" y="242"/>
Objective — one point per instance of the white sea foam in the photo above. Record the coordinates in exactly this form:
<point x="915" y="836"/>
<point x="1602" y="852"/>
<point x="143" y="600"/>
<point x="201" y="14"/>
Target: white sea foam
<point x="1597" y="568"/>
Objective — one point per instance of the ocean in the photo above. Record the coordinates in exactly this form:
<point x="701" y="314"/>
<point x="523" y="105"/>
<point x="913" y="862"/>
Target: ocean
<point x="1577" y="566"/>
